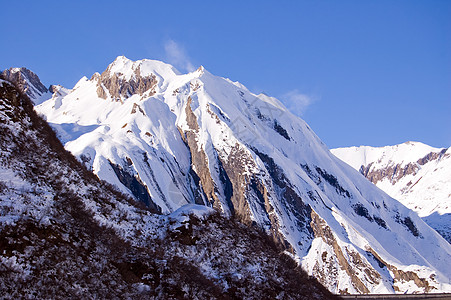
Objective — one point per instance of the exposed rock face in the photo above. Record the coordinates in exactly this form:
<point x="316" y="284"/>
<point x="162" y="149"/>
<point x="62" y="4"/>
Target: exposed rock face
<point x="118" y="88"/>
<point x="243" y="195"/>
<point x="396" y="171"/>
<point x="136" y="108"/>
<point x="56" y="89"/>
<point x="415" y="174"/>
<point x="393" y="172"/>
<point x="240" y="185"/>
<point x="401" y="276"/>
<point x="356" y="267"/>
<point x="282" y="188"/>
<point x="199" y="159"/>
<point x="432" y="156"/>
<point x="27" y="81"/>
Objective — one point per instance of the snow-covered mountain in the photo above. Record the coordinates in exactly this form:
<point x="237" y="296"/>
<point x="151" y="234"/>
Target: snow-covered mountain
<point x="29" y="83"/>
<point x="417" y="175"/>
<point x="64" y="234"/>
<point x="171" y="139"/>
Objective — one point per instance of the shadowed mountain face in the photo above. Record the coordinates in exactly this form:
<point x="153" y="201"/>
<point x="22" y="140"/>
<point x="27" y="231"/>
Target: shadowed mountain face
<point x="198" y="138"/>
<point x="66" y="234"/>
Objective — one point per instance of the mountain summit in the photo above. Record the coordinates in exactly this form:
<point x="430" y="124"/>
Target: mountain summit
<point x="28" y="82"/>
<point x="170" y="139"/>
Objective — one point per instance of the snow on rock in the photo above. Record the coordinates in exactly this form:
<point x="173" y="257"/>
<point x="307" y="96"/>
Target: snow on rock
<point x="199" y="211"/>
<point x="171" y="139"/>
<point x="65" y="233"/>
<point x="416" y="174"/>
<point x="28" y="82"/>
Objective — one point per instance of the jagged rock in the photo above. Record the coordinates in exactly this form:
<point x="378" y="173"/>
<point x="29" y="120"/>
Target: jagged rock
<point x="355" y="268"/>
<point x="120" y="88"/>
<point x="27" y="81"/>
<point x="199" y="159"/>
<point x="415" y="174"/>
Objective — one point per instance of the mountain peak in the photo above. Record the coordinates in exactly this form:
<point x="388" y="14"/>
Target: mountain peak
<point x="122" y="58"/>
<point x="127" y="68"/>
<point x="201" y="69"/>
<point x="120" y="62"/>
<point x="124" y="78"/>
<point x="27" y="81"/>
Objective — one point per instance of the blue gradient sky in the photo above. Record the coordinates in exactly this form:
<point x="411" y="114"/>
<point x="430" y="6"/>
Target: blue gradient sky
<point x="359" y="72"/>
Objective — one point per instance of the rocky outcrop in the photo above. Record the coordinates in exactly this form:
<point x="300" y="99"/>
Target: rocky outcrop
<point x="239" y="193"/>
<point x="358" y="268"/>
<point x="400" y="276"/>
<point x="394" y="172"/>
<point x="136" y="108"/>
<point x="292" y="202"/>
<point x="234" y="168"/>
<point x="115" y="86"/>
<point x="102" y="91"/>
<point x="199" y="159"/>
<point x="56" y="90"/>
<point x="431" y="156"/>
<point x="27" y="81"/>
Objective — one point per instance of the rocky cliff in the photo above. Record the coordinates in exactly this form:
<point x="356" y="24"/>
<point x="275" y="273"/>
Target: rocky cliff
<point x="27" y="81"/>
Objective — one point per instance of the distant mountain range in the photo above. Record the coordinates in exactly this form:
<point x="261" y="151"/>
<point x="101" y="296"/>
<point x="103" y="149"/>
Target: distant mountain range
<point x="417" y="175"/>
<point x="171" y="140"/>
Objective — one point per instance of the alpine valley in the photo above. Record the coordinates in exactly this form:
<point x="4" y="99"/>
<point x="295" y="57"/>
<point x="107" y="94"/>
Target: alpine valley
<point x="202" y="155"/>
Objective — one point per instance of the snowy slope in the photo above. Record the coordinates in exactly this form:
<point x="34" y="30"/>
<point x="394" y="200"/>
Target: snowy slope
<point x="414" y="173"/>
<point x="64" y="234"/>
<point x="171" y="139"/>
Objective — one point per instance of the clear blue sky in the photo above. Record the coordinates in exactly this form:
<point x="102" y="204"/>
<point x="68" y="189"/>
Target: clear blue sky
<point x="359" y="72"/>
